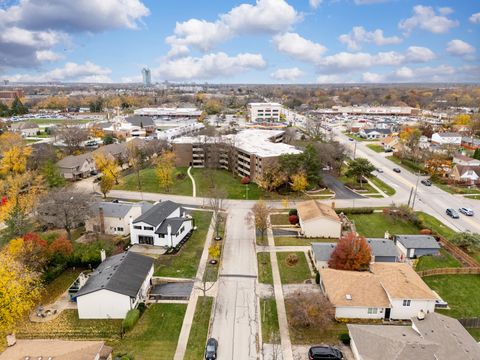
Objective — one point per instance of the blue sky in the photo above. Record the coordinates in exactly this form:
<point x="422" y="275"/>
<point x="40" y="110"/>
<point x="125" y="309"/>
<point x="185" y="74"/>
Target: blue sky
<point x="263" y="41"/>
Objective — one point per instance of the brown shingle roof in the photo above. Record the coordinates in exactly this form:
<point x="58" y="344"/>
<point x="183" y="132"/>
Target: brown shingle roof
<point x="462" y="169"/>
<point x="308" y="210"/>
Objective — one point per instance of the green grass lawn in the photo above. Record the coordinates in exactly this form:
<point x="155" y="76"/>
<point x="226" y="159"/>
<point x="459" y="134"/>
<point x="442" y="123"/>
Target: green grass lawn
<point x="56" y="121"/>
<point x="375" y="225"/>
<point x="279" y="219"/>
<point x="408" y="165"/>
<point x="353" y="183"/>
<point x="264" y="268"/>
<point x="58" y="286"/>
<point x="452" y="189"/>
<point x="269" y="317"/>
<point x="262" y="241"/>
<point x="294" y="241"/>
<point x="356" y="137"/>
<point x="227" y="181"/>
<point x="182" y="185"/>
<point x="377" y="148"/>
<point x="156" y="334"/>
<point x="387" y="189"/>
<point x="199" y="331"/>
<point x="460" y="291"/>
<point x="475" y="333"/>
<point x="444" y="260"/>
<point x="295" y="274"/>
<point x="473" y="197"/>
<point x="185" y="263"/>
<point x="68" y="326"/>
<point x="436" y="225"/>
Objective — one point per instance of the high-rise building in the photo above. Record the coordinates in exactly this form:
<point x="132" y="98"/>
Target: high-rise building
<point x="147" y="76"/>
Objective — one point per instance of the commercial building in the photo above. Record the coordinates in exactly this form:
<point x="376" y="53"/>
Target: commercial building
<point x="265" y="112"/>
<point x="246" y="153"/>
<point x="163" y="112"/>
<point x="146" y="77"/>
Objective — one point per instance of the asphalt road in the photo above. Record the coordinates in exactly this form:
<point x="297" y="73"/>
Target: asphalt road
<point x="341" y="191"/>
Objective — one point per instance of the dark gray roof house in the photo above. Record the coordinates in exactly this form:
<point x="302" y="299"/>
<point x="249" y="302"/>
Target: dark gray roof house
<point x="322" y="252"/>
<point x="142" y="121"/>
<point x="413" y="246"/>
<point x="158" y="213"/>
<point x="123" y="273"/>
<point x="383" y="250"/>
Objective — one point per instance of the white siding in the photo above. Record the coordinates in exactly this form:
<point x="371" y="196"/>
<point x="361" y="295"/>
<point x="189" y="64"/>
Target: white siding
<point x="157" y="240"/>
<point x="103" y="304"/>
<point x="355" y="312"/>
<point x="400" y="312"/>
<point x="321" y="228"/>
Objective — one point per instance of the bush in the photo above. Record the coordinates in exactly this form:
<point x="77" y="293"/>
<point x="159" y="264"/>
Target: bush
<point x="130" y="320"/>
<point x="292" y="212"/>
<point x="292" y="259"/>
<point x="353" y="211"/>
<point x="344" y="338"/>
<point x="245" y="180"/>
<point x="293" y="219"/>
<point x="426" y="232"/>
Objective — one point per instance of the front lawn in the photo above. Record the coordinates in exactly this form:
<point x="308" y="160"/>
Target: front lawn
<point x="184" y="264"/>
<point x="293" y="274"/>
<point x="374" y="225"/>
<point x="199" y="330"/>
<point x="452" y="189"/>
<point x="294" y="241"/>
<point x="460" y="291"/>
<point x="264" y="268"/>
<point x="377" y="148"/>
<point x="182" y="185"/>
<point x="444" y="260"/>
<point x="156" y="334"/>
<point x="279" y="219"/>
<point x="269" y="317"/>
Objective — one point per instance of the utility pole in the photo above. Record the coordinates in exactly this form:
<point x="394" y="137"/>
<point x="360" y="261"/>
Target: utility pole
<point x="410" y="197"/>
<point x="354" y="149"/>
<point x="415" y="193"/>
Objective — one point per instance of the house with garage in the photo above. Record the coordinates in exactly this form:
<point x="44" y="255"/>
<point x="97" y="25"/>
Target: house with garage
<point x="113" y="218"/>
<point x="165" y="224"/>
<point x="466" y="174"/>
<point x="414" y="246"/>
<point x="388" y="291"/>
<point x="318" y="220"/>
<point x="430" y="336"/>
<point x="374" y="134"/>
<point x="117" y="285"/>
<point x="461" y="159"/>
<point x="383" y="250"/>
<point x="76" y="167"/>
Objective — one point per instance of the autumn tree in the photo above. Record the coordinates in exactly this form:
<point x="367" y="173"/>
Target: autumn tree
<point x="107" y="165"/>
<point x="61" y="247"/>
<point x="14" y="160"/>
<point x="106" y="184"/>
<point x="164" y="169"/>
<point x="351" y="253"/>
<point x="260" y="213"/>
<point x="438" y="167"/>
<point x="360" y="168"/>
<point x="462" y="119"/>
<point x="299" y="181"/>
<point x="9" y="140"/>
<point x="271" y="178"/>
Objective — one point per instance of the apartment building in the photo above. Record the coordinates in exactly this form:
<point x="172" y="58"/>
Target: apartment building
<point x="246" y="153"/>
<point x="265" y="112"/>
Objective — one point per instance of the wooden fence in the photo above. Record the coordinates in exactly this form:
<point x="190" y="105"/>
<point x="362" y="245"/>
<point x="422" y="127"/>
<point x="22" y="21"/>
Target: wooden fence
<point x="470" y="323"/>
<point x="465" y="259"/>
<point x="450" y="271"/>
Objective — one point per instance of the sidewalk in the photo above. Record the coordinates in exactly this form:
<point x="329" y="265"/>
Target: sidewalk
<point x="194" y="186"/>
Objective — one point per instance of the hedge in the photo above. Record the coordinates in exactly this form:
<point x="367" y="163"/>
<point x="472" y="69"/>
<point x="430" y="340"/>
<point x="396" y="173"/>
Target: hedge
<point x="359" y="210"/>
<point x="131" y="319"/>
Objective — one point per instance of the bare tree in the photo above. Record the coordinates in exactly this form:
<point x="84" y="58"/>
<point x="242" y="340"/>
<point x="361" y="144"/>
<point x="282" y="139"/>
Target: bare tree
<point x="260" y="213"/>
<point x="309" y="310"/>
<point x="72" y="136"/>
<point x="65" y="208"/>
<point x="313" y="128"/>
<point x="216" y="196"/>
<point x="136" y="160"/>
<point x="331" y="155"/>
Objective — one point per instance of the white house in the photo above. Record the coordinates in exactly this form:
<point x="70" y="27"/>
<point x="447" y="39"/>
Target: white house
<point x="373" y="134"/>
<point x="116" y="286"/>
<point x="447" y="138"/>
<point x="387" y="291"/>
<point x="318" y="220"/>
<point x="113" y="218"/>
<point x="165" y="224"/>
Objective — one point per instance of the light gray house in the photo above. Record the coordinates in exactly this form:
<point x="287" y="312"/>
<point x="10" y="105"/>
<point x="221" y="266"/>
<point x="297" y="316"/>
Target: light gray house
<point x="76" y="167"/>
<point x="414" y="246"/>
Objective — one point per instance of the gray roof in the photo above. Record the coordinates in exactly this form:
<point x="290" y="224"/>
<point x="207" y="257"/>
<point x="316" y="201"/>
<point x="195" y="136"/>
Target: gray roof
<point x="123" y="273"/>
<point x="441" y="338"/>
<point x="323" y="251"/>
<point x="381" y="131"/>
<point x="418" y="241"/>
<point x="73" y="161"/>
<point x="25" y="126"/>
<point x="118" y="210"/>
<point x="158" y="213"/>
<point x="175" y="223"/>
<point x="382" y="247"/>
<point x="449" y="134"/>
<point x="141" y="121"/>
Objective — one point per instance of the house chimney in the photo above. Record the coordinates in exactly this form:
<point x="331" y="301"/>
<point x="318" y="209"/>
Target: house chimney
<point x="102" y="220"/>
<point x="103" y="255"/>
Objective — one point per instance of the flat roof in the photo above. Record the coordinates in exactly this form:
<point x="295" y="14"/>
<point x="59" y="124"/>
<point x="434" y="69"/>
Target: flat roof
<point x="265" y="104"/>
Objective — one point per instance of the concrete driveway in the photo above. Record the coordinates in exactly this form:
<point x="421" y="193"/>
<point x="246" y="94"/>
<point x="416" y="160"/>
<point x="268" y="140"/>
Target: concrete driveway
<point x="341" y="191"/>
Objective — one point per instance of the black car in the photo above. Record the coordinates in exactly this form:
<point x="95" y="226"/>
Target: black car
<point x="397" y="170"/>
<point x="426" y="182"/>
<point x="324" y="352"/>
<point x="211" y="349"/>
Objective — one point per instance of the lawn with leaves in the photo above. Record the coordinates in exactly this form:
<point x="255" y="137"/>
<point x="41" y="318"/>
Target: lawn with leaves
<point x="296" y="273"/>
<point x="374" y="225"/>
<point x="377" y="148"/>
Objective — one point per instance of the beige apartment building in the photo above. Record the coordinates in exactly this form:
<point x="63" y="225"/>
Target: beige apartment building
<point x="246" y="153"/>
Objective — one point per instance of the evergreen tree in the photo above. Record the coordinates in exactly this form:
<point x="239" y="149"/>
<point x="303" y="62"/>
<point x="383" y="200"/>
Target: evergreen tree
<point x="18" y="108"/>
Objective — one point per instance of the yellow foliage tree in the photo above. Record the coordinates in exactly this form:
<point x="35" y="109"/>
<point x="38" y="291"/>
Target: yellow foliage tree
<point x="106" y="184"/>
<point x="96" y="131"/>
<point x="9" y="140"/>
<point x="164" y="169"/>
<point x="15" y="159"/>
<point x="107" y="165"/>
<point x="462" y="119"/>
<point x="214" y="251"/>
<point x="299" y="181"/>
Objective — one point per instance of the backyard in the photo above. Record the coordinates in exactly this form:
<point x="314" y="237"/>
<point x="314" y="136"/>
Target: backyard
<point x="293" y="273"/>
<point x="444" y="260"/>
<point x="184" y="264"/>
<point x="199" y="329"/>
<point x="295" y="241"/>
<point x="374" y="225"/>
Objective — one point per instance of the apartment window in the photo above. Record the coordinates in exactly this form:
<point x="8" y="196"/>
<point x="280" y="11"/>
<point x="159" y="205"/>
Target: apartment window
<point x="406" y="302"/>
<point x="372" y="310"/>
<point x="138" y="227"/>
<point x="119" y="228"/>
<point x="147" y="228"/>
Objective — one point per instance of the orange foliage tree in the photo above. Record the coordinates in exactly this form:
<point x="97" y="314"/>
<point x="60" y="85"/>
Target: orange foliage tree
<point x="351" y="253"/>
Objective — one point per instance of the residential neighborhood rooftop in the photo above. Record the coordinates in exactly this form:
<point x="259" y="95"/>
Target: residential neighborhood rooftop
<point x="382" y="247"/>
<point x="418" y="241"/>
<point x="118" y="209"/>
<point x="157" y="213"/>
<point x="312" y="209"/>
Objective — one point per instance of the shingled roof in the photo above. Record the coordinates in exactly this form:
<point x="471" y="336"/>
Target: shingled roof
<point x="158" y="213"/>
<point x="312" y="209"/>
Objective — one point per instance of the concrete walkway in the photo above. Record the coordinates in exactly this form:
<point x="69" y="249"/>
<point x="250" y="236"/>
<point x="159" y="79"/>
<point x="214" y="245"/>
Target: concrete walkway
<point x="192" y="303"/>
<point x="283" y="248"/>
<point x="279" y="299"/>
<point x="194" y="186"/>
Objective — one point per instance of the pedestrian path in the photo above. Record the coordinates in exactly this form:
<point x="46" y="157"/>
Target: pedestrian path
<point x="194" y="186"/>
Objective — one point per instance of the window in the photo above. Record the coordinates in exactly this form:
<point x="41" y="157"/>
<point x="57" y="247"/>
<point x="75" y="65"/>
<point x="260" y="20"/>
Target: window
<point x="119" y="228"/>
<point x="181" y="229"/>
<point x="372" y="310"/>
<point x="406" y="302"/>
<point x="147" y="228"/>
<point x="138" y="227"/>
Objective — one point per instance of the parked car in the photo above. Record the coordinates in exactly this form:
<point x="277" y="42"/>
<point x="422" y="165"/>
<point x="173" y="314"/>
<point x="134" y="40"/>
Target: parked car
<point x="397" y="170"/>
<point x="452" y="213"/>
<point x="426" y="182"/>
<point x="388" y="150"/>
<point x="324" y="352"/>
<point x="466" y="211"/>
<point x="211" y="349"/>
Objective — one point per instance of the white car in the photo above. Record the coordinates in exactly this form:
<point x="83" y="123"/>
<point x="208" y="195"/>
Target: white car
<point x="466" y="211"/>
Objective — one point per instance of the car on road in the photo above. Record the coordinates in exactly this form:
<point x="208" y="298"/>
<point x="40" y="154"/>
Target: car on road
<point x="466" y="211"/>
<point x="452" y="213"/>
<point x="397" y="170"/>
<point x="350" y="139"/>
<point x="426" y="182"/>
<point x="211" y="349"/>
<point x="322" y="352"/>
<point x="379" y="170"/>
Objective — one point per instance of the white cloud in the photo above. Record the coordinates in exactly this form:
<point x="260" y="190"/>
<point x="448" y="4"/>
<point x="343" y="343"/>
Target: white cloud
<point x="359" y="35"/>
<point x="70" y="72"/>
<point x="460" y="48"/>
<point x="442" y="73"/>
<point x="419" y="54"/>
<point x="475" y="18"/>
<point x="332" y="79"/>
<point x="266" y="16"/>
<point x="298" y="47"/>
<point x="315" y="3"/>
<point x="131" y="79"/>
<point x="445" y="10"/>
<point x="425" y="18"/>
<point x="370" y="77"/>
<point x="289" y="74"/>
<point x="208" y="66"/>
<point x="48" y="55"/>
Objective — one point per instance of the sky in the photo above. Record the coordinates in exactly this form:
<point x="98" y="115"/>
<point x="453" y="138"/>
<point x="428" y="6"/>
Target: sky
<point x="225" y="41"/>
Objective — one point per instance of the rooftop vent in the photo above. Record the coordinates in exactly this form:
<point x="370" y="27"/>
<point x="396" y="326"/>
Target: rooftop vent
<point x="348" y="297"/>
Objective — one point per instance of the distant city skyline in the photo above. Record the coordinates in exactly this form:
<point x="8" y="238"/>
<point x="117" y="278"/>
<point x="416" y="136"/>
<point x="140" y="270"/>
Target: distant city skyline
<point x="263" y="41"/>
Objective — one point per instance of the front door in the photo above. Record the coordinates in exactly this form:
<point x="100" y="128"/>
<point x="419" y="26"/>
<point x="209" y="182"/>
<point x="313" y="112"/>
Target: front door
<point x="145" y="240"/>
<point x="387" y="314"/>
